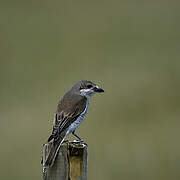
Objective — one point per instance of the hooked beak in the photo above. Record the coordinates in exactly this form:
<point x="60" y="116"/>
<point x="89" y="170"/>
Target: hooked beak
<point x="98" y="89"/>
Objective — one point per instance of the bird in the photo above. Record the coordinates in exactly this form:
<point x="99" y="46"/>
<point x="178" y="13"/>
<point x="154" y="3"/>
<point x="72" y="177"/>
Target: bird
<point x="71" y="111"/>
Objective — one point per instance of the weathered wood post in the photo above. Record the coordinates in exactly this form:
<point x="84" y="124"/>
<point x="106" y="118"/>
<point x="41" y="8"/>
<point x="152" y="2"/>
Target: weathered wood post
<point x="70" y="163"/>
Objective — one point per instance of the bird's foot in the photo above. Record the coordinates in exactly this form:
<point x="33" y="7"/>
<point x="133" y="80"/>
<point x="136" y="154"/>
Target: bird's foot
<point x="78" y="138"/>
<point x="80" y="141"/>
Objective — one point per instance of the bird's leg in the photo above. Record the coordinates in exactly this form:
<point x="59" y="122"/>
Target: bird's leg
<point x="77" y="136"/>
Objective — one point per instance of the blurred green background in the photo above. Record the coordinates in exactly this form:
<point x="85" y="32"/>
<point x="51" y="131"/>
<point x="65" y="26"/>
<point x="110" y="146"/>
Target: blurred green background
<point x="130" y="48"/>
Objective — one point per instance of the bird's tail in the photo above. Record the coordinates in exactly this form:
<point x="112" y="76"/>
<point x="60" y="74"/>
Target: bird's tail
<point x="50" y="151"/>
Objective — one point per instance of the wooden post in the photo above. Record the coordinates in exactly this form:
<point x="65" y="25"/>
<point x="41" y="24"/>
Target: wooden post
<point x="70" y="163"/>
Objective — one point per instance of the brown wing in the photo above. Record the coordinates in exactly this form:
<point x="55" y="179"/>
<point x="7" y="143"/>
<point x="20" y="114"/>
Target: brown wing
<point x="68" y="110"/>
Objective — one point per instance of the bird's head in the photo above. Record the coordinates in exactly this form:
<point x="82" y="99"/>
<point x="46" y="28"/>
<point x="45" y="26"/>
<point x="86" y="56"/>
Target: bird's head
<point x="87" y="88"/>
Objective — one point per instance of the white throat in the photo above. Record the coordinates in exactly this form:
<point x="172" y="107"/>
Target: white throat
<point x="87" y="93"/>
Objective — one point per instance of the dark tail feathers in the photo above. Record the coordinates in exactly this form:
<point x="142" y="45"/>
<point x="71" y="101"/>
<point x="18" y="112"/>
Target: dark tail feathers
<point x="52" y="150"/>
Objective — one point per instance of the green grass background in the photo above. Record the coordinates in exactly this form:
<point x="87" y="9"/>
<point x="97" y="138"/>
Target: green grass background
<point x="130" y="48"/>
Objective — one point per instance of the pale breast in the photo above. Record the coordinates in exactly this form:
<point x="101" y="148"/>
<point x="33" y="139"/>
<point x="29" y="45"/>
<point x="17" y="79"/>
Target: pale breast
<point x="79" y="120"/>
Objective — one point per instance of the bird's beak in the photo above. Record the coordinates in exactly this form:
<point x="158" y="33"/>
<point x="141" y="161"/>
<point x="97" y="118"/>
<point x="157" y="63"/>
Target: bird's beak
<point x="98" y="89"/>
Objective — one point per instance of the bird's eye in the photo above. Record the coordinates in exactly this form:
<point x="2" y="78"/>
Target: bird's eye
<point x="89" y="86"/>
